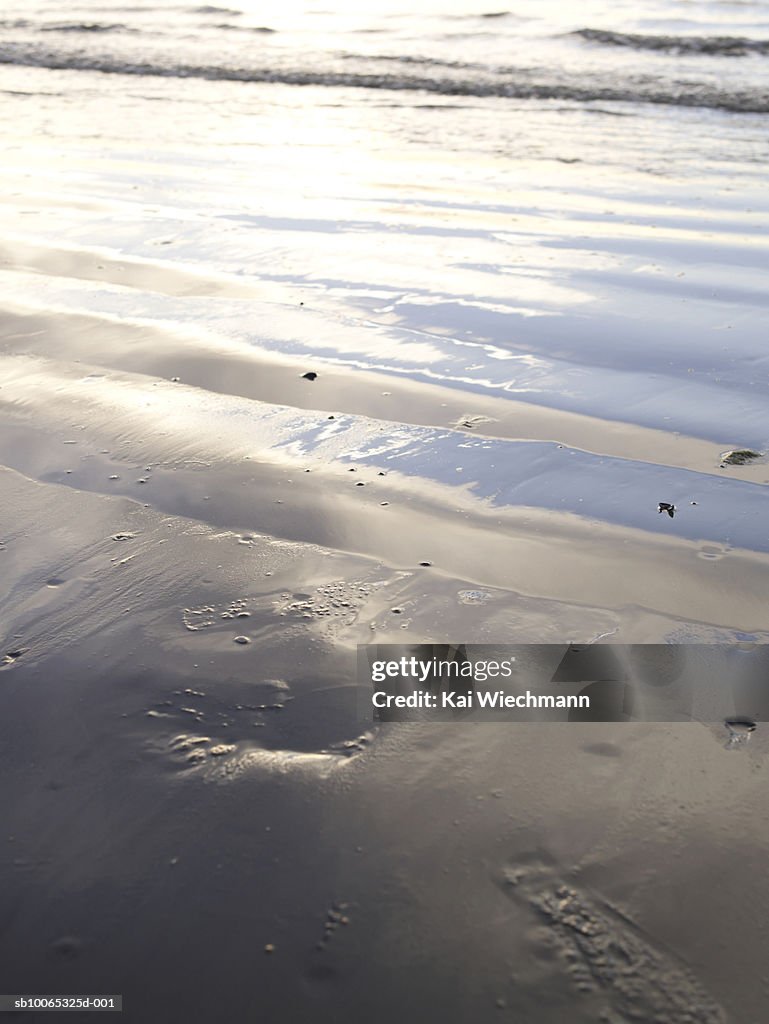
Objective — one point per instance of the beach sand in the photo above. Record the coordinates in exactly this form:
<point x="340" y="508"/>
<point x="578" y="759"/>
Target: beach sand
<point x="175" y="802"/>
<point x="519" y="353"/>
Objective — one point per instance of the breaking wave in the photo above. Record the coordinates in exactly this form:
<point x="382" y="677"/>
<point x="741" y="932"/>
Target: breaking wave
<point x="721" y="46"/>
<point x="511" y="83"/>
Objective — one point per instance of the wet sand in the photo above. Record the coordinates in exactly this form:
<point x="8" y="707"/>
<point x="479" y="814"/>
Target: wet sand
<point x="175" y="802"/>
<point x="206" y="825"/>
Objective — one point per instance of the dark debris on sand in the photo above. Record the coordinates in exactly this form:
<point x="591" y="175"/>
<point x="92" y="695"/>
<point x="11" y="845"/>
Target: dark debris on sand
<point x="739" y="457"/>
<point x="11" y="656"/>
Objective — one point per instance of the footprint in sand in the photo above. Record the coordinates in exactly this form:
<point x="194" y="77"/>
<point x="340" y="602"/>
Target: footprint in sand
<point x="607" y="957"/>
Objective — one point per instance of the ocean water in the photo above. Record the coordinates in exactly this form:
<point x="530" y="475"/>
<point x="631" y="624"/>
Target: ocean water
<point x="524" y="250"/>
<point x="541" y="50"/>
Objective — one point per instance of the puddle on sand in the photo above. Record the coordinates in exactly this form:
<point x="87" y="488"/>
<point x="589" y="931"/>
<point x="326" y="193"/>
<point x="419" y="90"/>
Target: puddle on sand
<point x="616" y="967"/>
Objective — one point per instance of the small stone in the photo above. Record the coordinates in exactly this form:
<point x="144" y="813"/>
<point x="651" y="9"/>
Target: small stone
<point x="310" y="375"/>
<point x="241" y="640"/>
<point x="269" y="948"/>
<point x="739" y="730"/>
